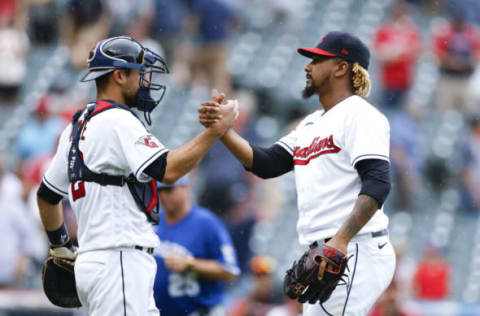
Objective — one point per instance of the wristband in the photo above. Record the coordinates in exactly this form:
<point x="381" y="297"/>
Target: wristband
<point x="58" y="237"/>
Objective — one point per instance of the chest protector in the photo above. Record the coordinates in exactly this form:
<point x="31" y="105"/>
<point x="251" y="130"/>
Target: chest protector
<point x="144" y="194"/>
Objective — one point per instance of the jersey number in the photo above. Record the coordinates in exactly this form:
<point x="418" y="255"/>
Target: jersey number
<point x="182" y="286"/>
<point x="78" y="190"/>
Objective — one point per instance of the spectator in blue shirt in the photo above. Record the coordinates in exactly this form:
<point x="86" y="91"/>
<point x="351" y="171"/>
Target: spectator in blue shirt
<point x="167" y="26"/>
<point x="39" y="135"/>
<point x="469" y="149"/>
<point x="195" y="256"/>
<point x="214" y="19"/>
<point x="20" y="235"/>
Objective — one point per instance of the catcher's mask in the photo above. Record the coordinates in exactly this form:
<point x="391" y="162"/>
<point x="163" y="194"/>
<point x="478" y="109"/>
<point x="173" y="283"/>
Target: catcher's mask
<point x="124" y="52"/>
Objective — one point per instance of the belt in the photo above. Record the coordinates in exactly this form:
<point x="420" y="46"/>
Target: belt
<point x="379" y="233"/>
<point x="147" y="250"/>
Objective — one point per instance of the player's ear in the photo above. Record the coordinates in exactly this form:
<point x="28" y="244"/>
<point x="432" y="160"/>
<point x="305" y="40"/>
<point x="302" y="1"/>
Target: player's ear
<point x="342" y="68"/>
<point x="119" y="76"/>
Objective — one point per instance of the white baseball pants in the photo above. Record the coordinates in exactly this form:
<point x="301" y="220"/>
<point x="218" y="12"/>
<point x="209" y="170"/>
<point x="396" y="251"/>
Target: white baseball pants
<point x="371" y="272"/>
<point x="116" y="282"/>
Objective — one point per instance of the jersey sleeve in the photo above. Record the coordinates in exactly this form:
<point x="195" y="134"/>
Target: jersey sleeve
<point x="221" y="247"/>
<point x="288" y="141"/>
<point x="367" y="136"/>
<point x="139" y="147"/>
<point x="56" y="176"/>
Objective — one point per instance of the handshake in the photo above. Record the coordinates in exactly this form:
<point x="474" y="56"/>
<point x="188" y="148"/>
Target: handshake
<point x="218" y="115"/>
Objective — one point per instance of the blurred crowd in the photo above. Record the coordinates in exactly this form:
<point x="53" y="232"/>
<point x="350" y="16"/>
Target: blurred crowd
<point x="195" y="37"/>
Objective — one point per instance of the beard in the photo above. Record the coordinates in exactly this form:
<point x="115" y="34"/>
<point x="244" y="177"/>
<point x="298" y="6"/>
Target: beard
<point x="313" y="88"/>
<point x="308" y="91"/>
<point x="131" y="99"/>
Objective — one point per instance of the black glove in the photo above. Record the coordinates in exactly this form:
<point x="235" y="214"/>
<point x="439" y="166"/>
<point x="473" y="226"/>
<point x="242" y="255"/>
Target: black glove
<point x="302" y="282"/>
<point x="58" y="276"/>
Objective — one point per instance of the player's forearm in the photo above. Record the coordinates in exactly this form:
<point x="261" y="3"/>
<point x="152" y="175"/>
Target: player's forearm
<point x="51" y="214"/>
<point x="239" y="147"/>
<point x="364" y="209"/>
<point x="211" y="269"/>
<point x="183" y="159"/>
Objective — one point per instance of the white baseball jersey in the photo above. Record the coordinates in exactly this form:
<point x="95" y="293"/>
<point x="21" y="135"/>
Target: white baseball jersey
<point x="113" y="142"/>
<point x="325" y="147"/>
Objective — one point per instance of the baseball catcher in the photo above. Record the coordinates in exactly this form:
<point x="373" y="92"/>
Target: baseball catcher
<point x="316" y="275"/>
<point x="112" y="144"/>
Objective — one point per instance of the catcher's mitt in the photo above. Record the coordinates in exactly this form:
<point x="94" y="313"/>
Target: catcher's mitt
<point x="58" y="280"/>
<point x="301" y="281"/>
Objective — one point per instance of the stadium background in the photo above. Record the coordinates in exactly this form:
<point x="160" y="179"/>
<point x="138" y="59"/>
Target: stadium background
<point x="247" y="48"/>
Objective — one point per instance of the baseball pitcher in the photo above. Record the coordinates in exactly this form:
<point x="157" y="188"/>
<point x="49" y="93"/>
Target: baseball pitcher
<point x="340" y="156"/>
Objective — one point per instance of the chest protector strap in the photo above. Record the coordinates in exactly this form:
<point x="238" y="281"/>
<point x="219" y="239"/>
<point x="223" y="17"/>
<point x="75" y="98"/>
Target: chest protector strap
<point x="144" y="194"/>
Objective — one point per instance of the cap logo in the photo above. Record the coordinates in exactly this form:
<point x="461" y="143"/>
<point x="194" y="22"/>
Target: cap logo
<point x="344" y="51"/>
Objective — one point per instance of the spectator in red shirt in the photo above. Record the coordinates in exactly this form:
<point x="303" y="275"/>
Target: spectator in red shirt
<point x="456" y="45"/>
<point x="432" y="277"/>
<point x="397" y="44"/>
<point x="7" y="11"/>
<point x="392" y="304"/>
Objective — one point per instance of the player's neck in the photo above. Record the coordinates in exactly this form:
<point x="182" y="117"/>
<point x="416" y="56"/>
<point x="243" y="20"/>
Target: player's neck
<point x="111" y="95"/>
<point x="173" y="218"/>
<point x="329" y="100"/>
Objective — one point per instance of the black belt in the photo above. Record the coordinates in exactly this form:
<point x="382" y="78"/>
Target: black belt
<point x="147" y="250"/>
<point x="380" y="233"/>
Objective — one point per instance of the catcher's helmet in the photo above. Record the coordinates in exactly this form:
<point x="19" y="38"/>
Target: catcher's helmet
<point x="124" y="52"/>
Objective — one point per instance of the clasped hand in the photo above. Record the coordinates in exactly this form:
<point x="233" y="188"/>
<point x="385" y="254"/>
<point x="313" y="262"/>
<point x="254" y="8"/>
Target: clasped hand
<point x="218" y="114"/>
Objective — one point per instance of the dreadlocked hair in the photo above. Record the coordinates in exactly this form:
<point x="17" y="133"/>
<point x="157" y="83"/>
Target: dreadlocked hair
<point x="360" y="80"/>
